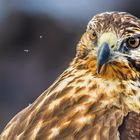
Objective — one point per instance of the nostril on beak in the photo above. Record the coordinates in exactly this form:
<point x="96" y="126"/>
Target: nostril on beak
<point x="112" y="46"/>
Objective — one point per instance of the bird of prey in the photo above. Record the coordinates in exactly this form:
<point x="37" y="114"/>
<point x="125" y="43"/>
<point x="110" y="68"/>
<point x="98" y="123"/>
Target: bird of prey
<point x="98" y="96"/>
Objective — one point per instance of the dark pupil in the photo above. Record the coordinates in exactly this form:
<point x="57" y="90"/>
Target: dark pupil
<point x="132" y="41"/>
<point x="94" y="34"/>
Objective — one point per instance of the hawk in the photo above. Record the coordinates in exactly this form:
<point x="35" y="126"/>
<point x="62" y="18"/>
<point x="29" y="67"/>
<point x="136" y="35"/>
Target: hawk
<point x="98" y="96"/>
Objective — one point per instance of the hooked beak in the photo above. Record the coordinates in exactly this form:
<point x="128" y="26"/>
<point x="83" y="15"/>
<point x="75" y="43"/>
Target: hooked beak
<point x="103" y="56"/>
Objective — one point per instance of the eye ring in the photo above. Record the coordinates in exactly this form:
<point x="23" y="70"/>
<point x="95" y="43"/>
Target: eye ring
<point x="133" y="42"/>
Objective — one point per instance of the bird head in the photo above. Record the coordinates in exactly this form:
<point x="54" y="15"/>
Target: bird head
<point x="110" y="47"/>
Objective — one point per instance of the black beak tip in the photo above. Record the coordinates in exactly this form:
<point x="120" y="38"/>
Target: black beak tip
<point x="99" y="69"/>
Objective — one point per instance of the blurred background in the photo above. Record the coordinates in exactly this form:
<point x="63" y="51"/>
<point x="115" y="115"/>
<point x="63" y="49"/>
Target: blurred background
<point x="37" y="42"/>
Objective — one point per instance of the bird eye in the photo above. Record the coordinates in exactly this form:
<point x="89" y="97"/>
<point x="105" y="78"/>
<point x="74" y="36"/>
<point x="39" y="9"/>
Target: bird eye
<point x="133" y="42"/>
<point x="93" y="35"/>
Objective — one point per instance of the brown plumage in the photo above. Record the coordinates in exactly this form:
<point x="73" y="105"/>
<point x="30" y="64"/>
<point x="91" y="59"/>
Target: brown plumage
<point x="91" y="98"/>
